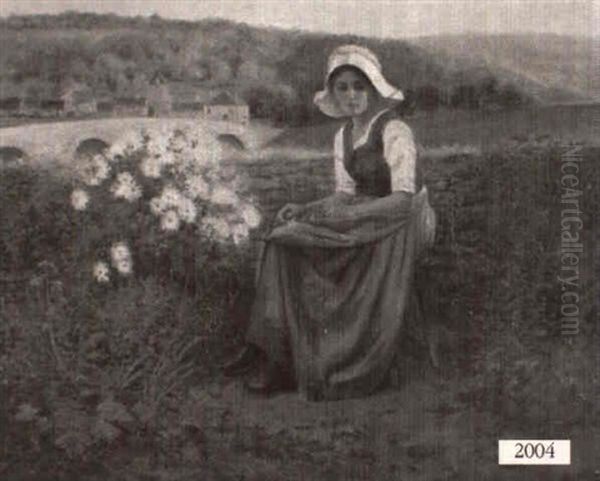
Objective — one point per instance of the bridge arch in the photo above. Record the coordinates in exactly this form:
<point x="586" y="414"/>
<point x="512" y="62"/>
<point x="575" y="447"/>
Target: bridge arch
<point x="90" y="147"/>
<point x="11" y="156"/>
<point x="231" y="140"/>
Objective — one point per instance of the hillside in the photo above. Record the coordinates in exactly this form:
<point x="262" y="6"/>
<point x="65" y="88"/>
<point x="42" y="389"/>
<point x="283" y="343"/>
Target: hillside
<point x="551" y="67"/>
<point x="277" y="71"/>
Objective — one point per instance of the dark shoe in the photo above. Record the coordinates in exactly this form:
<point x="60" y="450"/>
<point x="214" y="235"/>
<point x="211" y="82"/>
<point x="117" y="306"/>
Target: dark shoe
<point x="243" y="362"/>
<point x="265" y="380"/>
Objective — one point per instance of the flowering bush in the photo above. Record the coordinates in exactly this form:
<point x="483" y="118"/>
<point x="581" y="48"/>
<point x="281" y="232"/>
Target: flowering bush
<point x="124" y="276"/>
<point x="160" y="202"/>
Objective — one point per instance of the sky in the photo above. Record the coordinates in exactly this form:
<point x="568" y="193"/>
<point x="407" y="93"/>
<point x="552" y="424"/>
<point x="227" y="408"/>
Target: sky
<point x="378" y="18"/>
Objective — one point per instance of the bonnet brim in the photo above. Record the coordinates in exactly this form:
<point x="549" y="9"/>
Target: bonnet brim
<point x="366" y="62"/>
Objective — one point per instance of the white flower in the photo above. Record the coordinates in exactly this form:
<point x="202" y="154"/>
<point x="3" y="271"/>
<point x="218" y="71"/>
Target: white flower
<point x="207" y="150"/>
<point x="196" y="187"/>
<point x="179" y="142"/>
<point x="223" y="196"/>
<point x="158" y="144"/>
<point x="119" y="251"/>
<point x="116" y="150"/>
<point x="151" y="167"/>
<point x="173" y="200"/>
<point x="94" y="170"/>
<point x="121" y="258"/>
<point x="187" y="210"/>
<point x="157" y="206"/>
<point x="126" y="187"/>
<point x="79" y="199"/>
<point x="101" y="273"/>
<point x="169" y="199"/>
<point x="171" y="196"/>
<point x="170" y="221"/>
<point x="239" y="232"/>
<point x="131" y="141"/>
<point x="167" y="158"/>
<point x="124" y="266"/>
<point x="233" y="217"/>
<point x="218" y="226"/>
<point x="251" y="216"/>
<point x="186" y="168"/>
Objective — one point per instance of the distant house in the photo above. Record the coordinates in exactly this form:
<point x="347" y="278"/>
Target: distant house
<point x="53" y="107"/>
<point x="228" y="108"/>
<point x="105" y="106"/>
<point x="10" y="106"/>
<point x="188" y="99"/>
<point x="159" y="97"/>
<point x="30" y="107"/>
<point x="44" y="107"/>
<point x="130" y="106"/>
<point x="188" y="106"/>
<point x="79" y="100"/>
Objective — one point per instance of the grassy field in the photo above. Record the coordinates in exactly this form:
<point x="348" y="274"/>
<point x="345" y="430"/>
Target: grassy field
<point x="507" y="370"/>
<point x="480" y="129"/>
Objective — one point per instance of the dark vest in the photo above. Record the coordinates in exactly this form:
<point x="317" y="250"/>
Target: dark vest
<point x="366" y="164"/>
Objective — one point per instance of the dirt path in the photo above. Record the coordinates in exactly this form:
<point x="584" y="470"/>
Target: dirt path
<point x="418" y="431"/>
<point x="390" y="435"/>
<point x="412" y="432"/>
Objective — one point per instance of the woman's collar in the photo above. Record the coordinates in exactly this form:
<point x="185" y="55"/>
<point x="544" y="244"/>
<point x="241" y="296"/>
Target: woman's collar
<point x="363" y="138"/>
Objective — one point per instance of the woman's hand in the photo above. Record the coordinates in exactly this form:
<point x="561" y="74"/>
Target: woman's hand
<point x="288" y="212"/>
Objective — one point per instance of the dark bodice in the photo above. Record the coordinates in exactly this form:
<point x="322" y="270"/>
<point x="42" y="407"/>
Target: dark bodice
<point x="366" y="164"/>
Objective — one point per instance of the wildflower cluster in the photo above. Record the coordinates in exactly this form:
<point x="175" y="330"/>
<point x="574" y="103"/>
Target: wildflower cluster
<point x="163" y="181"/>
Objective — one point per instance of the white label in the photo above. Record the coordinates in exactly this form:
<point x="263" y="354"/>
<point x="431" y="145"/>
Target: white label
<point x="534" y="451"/>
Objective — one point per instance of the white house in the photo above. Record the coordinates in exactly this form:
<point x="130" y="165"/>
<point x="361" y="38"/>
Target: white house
<point x="228" y="108"/>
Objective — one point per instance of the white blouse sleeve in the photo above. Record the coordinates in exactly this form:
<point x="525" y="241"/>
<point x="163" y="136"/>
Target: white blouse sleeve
<point x="343" y="181"/>
<point x="400" y="153"/>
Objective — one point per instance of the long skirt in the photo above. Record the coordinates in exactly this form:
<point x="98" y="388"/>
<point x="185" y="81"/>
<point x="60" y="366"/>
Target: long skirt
<point x="332" y="292"/>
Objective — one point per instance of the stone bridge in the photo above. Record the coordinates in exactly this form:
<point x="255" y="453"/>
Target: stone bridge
<point x="39" y="144"/>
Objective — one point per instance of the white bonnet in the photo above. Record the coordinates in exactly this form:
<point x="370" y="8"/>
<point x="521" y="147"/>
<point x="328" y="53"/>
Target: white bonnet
<point x="366" y="61"/>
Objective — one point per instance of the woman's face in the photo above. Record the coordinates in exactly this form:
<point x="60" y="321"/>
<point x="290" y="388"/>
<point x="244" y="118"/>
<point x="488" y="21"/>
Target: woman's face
<point x="352" y="93"/>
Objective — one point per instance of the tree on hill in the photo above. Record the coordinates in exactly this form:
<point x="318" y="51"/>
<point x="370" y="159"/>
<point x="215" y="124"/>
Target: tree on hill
<point x="276" y="71"/>
<point x="428" y="97"/>
<point x="464" y="96"/>
<point x="510" y="97"/>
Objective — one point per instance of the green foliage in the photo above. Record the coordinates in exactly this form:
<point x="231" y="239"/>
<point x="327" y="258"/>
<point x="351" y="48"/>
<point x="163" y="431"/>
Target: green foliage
<point x="495" y="273"/>
<point x="99" y="363"/>
<point x="277" y="72"/>
<point x="117" y="351"/>
<point x="96" y="368"/>
<point x="35" y="224"/>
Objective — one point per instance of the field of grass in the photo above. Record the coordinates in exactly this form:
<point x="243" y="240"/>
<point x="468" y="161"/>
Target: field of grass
<point x="507" y="371"/>
<point x="480" y="129"/>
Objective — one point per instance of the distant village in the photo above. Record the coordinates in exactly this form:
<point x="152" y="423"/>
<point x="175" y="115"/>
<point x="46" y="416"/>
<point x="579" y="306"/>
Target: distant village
<point x="161" y="99"/>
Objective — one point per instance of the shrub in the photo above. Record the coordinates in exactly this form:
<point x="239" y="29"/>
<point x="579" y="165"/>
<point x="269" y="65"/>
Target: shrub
<point x="494" y="270"/>
<point x="123" y="278"/>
